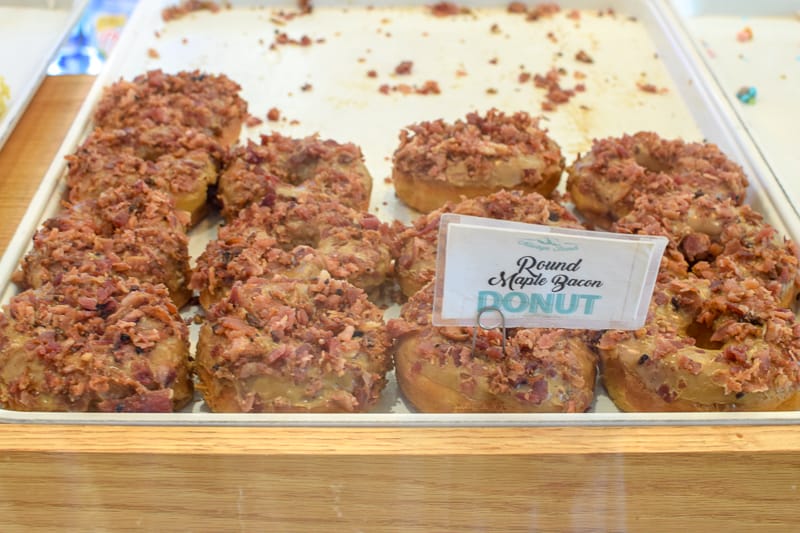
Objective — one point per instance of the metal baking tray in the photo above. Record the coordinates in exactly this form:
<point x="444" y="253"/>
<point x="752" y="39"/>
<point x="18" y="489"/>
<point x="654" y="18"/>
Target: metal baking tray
<point x="769" y="62"/>
<point x="31" y="33"/>
<point x="476" y="59"/>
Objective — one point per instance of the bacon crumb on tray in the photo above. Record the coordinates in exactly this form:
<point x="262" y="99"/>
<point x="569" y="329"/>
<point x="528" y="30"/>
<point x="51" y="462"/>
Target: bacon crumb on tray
<point x="187" y="6"/>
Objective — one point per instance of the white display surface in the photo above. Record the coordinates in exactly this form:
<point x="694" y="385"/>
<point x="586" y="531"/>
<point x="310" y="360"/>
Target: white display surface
<point x="476" y="60"/>
<point x="30" y="35"/>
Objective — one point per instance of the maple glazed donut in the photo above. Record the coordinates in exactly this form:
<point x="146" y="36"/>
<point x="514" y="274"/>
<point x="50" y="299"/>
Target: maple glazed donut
<point x="416" y="263"/>
<point x="293" y="346"/>
<point x="288" y="167"/>
<point x="605" y="182"/>
<point x="130" y="231"/>
<point x="718" y="239"/>
<point x="251" y="254"/>
<point x="437" y="162"/>
<point x="707" y="345"/>
<point x="438" y="371"/>
<point x="352" y="245"/>
<point x="93" y="343"/>
<point x="207" y="102"/>
<point x="183" y="163"/>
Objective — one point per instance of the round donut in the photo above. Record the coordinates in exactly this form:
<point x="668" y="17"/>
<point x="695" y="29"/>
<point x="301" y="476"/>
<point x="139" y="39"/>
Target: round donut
<point x="183" y="163"/>
<point x="438" y="162"/>
<point x="93" y="343"/>
<point x="707" y="345"/>
<point x="605" y="182"/>
<point x="416" y="263"/>
<point x="130" y="231"/>
<point x="293" y="346"/>
<point x="209" y="103"/>
<point x="541" y="370"/>
<point x="352" y="245"/>
<point x="250" y="254"/>
<point x="288" y="167"/>
<point x="717" y="239"/>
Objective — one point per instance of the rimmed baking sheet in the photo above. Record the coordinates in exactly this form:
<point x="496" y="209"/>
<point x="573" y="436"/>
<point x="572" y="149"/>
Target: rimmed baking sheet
<point x="478" y="61"/>
<point x="31" y="33"/>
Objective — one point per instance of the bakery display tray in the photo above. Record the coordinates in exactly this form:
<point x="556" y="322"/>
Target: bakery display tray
<point x="479" y="59"/>
<point x="30" y="34"/>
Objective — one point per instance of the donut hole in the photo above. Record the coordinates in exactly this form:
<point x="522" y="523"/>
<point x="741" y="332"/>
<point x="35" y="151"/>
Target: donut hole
<point x="702" y="336"/>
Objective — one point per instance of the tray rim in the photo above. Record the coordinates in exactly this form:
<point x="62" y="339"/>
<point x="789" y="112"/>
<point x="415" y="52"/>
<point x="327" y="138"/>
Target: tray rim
<point x="52" y="185"/>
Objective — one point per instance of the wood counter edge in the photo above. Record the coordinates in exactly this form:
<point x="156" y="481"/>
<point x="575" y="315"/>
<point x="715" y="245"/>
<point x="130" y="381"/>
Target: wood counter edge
<point x="418" y="441"/>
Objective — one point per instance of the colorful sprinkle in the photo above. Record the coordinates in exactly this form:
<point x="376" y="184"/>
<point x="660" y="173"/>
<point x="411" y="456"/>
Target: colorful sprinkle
<point x="746" y="95"/>
<point x="745" y="35"/>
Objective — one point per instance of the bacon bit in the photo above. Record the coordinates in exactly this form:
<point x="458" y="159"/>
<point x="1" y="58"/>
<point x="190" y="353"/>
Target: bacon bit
<point x="517" y="7"/>
<point x="460" y="73"/>
<point x="283" y="39"/>
<point x="574" y="14"/>
<point x="650" y="88"/>
<point x="555" y="93"/>
<point x="186" y="7"/>
<point x="184" y="40"/>
<point x="493" y="61"/>
<point x="306" y="87"/>
<point x="491" y="90"/>
<point x="543" y="10"/>
<point x="372" y="74"/>
<point x="273" y="115"/>
<point x="524" y="77"/>
<point x="551" y="37"/>
<point x="583" y="57"/>
<point x="252" y="121"/>
<point x="157" y="34"/>
<point x="403" y="68"/>
<point x="428" y="87"/>
<point x="305" y="6"/>
<point x="294" y="122"/>
<point x="446" y="9"/>
<point x="495" y="29"/>
<point x="153" y="53"/>
<point x="578" y="75"/>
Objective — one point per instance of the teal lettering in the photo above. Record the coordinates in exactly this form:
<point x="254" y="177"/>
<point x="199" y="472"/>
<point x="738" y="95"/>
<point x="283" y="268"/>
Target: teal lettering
<point x="488" y="299"/>
<point x="541" y="303"/>
<point x="573" y="304"/>
<point x="520" y="297"/>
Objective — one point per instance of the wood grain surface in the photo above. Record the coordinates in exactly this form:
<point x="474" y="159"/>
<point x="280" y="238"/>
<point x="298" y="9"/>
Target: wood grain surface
<point x="170" y="478"/>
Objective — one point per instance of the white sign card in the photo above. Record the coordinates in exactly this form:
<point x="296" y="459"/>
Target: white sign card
<point x="542" y="276"/>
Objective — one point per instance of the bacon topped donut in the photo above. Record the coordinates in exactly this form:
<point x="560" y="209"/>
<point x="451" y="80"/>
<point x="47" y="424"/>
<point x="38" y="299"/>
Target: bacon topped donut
<point x="439" y="370"/>
<point x="207" y="102"/>
<point x="416" y="264"/>
<point x="131" y="231"/>
<point x="438" y="162"/>
<point x="718" y="239"/>
<point x="605" y="182"/>
<point x="183" y="163"/>
<point x="707" y="345"/>
<point x="286" y="166"/>
<point x="350" y="245"/>
<point x="89" y="343"/>
<point x="293" y="346"/>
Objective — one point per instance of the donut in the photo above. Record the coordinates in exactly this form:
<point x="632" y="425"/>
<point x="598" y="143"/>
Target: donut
<point x="416" y="263"/>
<point x="717" y="239"/>
<point x="287" y="166"/>
<point x="707" y="345"/>
<point x="285" y="345"/>
<point x="129" y="231"/>
<point x="253" y="253"/>
<point x="438" y="162"/>
<point x="438" y="370"/>
<point x="207" y="102"/>
<point x="181" y="162"/>
<point x="352" y="245"/>
<point x="604" y="183"/>
<point x="92" y="343"/>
